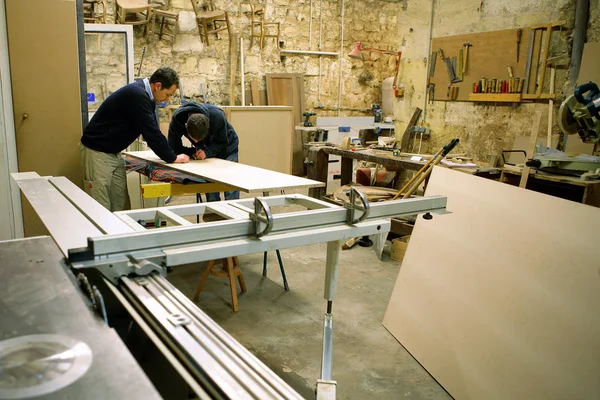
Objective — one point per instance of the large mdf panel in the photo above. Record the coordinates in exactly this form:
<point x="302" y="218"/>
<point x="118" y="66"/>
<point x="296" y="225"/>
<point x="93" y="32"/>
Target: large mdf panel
<point x="44" y="62"/>
<point x="265" y="135"/>
<point x="499" y="300"/>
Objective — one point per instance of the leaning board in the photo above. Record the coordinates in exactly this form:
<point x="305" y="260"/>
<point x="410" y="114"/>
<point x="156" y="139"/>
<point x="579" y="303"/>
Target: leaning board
<point x="238" y="176"/>
<point x="500" y="299"/>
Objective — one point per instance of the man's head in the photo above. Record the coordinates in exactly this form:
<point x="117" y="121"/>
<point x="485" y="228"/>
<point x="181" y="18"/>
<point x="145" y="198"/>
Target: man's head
<point x="163" y="82"/>
<point x="197" y="127"/>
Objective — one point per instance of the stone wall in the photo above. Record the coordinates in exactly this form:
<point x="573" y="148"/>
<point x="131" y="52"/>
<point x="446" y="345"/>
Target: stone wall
<point x="484" y="128"/>
<point x="403" y="25"/>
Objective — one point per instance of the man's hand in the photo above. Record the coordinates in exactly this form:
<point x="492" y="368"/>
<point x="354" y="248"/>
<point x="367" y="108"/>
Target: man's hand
<point x="182" y="159"/>
<point x="199" y="154"/>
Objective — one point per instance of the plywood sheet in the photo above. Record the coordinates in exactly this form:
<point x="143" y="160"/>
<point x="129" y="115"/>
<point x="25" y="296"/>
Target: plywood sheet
<point x="265" y="135"/>
<point x="589" y="64"/>
<point x="499" y="300"/>
<point x="489" y="55"/>
<point x="239" y="176"/>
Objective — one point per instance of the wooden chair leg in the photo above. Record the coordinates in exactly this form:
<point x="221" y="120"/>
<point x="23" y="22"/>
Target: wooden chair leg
<point x="204" y="278"/>
<point x="234" y="300"/>
<point x="262" y="35"/>
<point x="162" y="25"/>
<point x="228" y="26"/>
<point x="205" y="31"/>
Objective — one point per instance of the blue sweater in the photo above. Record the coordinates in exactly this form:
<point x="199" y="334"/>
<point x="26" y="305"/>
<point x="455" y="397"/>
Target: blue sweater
<point x="221" y="140"/>
<point x="121" y="118"/>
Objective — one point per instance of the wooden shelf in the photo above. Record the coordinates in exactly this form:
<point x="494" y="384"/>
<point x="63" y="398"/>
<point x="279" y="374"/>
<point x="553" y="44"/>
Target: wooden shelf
<point x="496" y="97"/>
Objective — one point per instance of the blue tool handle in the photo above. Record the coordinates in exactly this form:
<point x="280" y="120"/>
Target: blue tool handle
<point x="448" y="148"/>
<point x="590" y="88"/>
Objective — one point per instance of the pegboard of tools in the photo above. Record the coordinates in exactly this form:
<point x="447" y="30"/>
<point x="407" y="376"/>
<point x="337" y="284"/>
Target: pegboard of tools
<point x="465" y="60"/>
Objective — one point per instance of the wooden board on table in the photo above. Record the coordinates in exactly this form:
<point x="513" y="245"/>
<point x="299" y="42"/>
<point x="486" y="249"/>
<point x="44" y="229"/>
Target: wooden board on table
<point x="499" y="300"/>
<point x="239" y="176"/>
<point x="489" y="55"/>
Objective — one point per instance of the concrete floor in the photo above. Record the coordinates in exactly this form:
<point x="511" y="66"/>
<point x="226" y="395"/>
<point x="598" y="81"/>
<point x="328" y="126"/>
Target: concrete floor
<point x="284" y="329"/>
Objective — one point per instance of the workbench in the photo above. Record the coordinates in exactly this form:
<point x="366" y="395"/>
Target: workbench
<point x="216" y="175"/>
<point x="566" y="187"/>
<point x="318" y="160"/>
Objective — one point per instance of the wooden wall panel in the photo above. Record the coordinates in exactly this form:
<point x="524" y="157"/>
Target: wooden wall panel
<point x="265" y="135"/>
<point x="499" y="300"/>
<point x="287" y="90"/>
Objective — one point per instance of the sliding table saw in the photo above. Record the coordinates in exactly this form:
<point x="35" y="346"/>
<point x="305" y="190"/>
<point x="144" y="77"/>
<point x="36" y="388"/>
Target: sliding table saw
<point x="117" y="258"/>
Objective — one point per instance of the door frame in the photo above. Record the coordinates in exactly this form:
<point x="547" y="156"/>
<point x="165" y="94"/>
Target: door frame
<point x="8" y="152"/>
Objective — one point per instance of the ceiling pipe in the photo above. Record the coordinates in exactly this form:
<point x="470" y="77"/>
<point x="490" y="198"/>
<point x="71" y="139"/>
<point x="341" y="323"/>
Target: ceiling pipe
<point x="582" y="8"/>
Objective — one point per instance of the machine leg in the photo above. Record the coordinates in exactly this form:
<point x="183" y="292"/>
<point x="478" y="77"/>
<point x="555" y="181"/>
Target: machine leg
<point x="326" y="386"/>
<point x="265" y="264"/>
<point x="285" y="283"/>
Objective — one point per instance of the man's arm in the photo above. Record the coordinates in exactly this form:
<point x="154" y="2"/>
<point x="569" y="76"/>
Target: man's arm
<point x="175" y="135"/>
<point x="144" y="121"/>
<point x="218" y="134"/>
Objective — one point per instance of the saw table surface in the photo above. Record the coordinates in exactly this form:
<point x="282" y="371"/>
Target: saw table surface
<point x="239" y="176"/>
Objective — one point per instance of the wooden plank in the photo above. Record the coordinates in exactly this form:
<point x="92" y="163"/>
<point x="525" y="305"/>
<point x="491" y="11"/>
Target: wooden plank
<point x="317" y="169"/>
<point x="499" y="299"/>
<point x="535" y="62"/>
<point x="543" y="96"/>
<point x="407" y="131"/>
<point x="589" y="71"/>
<point x="255" y="92"/>
<point x="544" y="60"/>
<point x="239" y="176"/>
<point x="489" y="55"/>
<point x="499" y="97"/>
<point x="531" y="149"/>
<point x="233" y="58"/>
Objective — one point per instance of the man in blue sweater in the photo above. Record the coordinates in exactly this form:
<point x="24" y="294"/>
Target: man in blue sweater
<point x="206" y="127"/>
<point x="120" y="119"/>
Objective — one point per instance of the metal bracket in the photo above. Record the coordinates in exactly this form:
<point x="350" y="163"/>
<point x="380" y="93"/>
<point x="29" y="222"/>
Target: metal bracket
<point x="352" y="206"/>
<point x="179" y="319"/>
<point x="258" y="218"/>
<point x="113" y="270"/>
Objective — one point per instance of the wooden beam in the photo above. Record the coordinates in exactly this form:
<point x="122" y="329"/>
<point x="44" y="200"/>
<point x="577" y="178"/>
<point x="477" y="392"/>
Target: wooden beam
<point x="531" y="150"/>
<point x="407" y="131"/>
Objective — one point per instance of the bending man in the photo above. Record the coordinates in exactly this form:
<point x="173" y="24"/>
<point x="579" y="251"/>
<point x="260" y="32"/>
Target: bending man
<point x="120" y="119"/>
<point x="206" y="127"/>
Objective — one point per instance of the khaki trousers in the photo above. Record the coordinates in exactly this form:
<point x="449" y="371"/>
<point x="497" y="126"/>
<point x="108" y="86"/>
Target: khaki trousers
<point x="105" y="179"/>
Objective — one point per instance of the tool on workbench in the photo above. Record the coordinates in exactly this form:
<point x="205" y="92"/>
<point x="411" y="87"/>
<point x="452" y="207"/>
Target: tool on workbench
<point x="466" y="45"/>
<point x="424" y="172"/>
<point x="461" y="69"/>
<point x="519" y="33"/>
<point x="529" y="59"/>
<point x="141" y="61"/>
<point x="432" y="63"/>
<point x="431" y="90"/>
<point x="453" y="93"/>
<point x="307" y="116"/>
<point x="580" y="113"/>
<point x="450" y="68"/>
